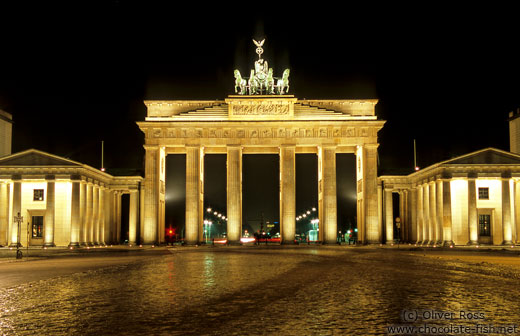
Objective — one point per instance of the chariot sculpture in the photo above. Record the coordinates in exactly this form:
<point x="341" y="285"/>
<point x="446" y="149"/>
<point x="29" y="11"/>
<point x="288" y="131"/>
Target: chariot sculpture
<point x="261" y="80"/>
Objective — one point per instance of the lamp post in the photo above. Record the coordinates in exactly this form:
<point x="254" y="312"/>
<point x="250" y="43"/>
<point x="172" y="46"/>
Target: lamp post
<point x="18" y="219"/>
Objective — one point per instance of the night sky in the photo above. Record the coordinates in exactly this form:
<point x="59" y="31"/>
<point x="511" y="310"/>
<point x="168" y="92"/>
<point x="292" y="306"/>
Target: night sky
<point x="74" y="74"/>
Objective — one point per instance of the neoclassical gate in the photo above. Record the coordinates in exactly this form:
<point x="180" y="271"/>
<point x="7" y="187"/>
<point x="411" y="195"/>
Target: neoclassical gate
<point x="251" y="124"/>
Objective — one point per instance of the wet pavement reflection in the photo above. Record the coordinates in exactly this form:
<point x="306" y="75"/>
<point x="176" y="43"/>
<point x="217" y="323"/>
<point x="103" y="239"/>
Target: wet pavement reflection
<point x="261" y="291"/>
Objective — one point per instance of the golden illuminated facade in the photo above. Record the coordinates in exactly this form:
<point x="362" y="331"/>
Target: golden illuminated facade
<point x="62" y="202"/>
<point x="256" y="124"/>
<point x="469" y="200"/>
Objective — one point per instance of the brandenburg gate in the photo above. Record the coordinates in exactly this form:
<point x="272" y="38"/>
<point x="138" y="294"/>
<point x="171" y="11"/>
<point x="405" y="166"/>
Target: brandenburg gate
<point x="261" y="118"/>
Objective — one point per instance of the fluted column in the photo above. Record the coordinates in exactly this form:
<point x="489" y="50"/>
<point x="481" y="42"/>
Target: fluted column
<point x="389" y="216"/>
<point x="373" y="231"/>
<point x="288" y="193"/>
<point x="472" y="212"/>
<point x="413" y="216"/>
<point x="117" y="235"/>
<point x="380" y="211"/>
<point x="433" y="213"/>
<point x="438" y="227"/>
<point x="193" y="194"/>
<point x="420" y="215"/>
<point x="151" y="194"/>
<point x="95" y="214"/>
<point x="48" y="220"/>
<point x="328" y="221"/>
<point x="102" y="217"/>
<point x="4" y="213"/>
<point x="89" y="214"/>
<point x="17" y="209"/>
<point x="426" y="215"/>
<point x="506" y="213"/>
<point x="402" y="216"/>
<point x="517" y="210"/>
<point x="446" y="211"/>
<point x="234" y="193"/>
<point x="108" y="216"/>
<point x="83" y="213"/>
<point x="132" y="217"/>
<point x="75" y="220"/>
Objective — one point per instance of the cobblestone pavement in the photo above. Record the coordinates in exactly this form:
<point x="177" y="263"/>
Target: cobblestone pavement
<point x="261" y="291"/>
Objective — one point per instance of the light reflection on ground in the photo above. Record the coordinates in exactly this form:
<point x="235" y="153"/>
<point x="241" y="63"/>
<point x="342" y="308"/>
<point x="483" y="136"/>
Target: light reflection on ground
<point x="254" y="291"/>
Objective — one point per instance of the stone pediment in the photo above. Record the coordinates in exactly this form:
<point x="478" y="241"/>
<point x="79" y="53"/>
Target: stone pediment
<point x="33" y="157"/>
<point x="486" y="156"/>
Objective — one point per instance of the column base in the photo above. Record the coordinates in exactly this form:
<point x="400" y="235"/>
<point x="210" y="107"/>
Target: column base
<point x="234" y="243"/>
<point x="49" y="245"/>
<point x="507" y="242"/>
<point x="448" y="243"/>
<point x="473" y="242"/>
<point x="371" y="242"/>
<point x="74" y="245"/>
<point x="16" y="245"/>
<point x="288" y="242"/>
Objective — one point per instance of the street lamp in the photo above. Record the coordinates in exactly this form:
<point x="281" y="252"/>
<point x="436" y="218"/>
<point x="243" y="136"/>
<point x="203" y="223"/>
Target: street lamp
<point x="18" y="219"/>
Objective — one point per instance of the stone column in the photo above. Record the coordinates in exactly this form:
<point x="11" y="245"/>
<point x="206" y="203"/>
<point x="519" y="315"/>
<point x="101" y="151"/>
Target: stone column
<point x="108" y="216"/>
<point x="83" y="213"/>
<point x="17" y="209"/>
<point x="288" y="193"/>
<point x="151" y="195"/>
<point x="373" y="231"/>
<point x="95" y="214"/>
<point x="420" y="215"/>
<point x="193" y="193"/>
<point x="413" y="216"/>
<point x="433" y="213"/>
<point x="4" y="213"/>
<point x="234" y="193"/>
<point x="401" y="216"/>
<point x="328" y="221"/>
<point x="101" y="231"/>
<point x="472" y="212"/>
<point x="446" y="213"/>
<point x="117" y="235"/>
<point x="380" y="212"/>
<point x="426" y="215"/>
<point x="88" y="214"/>
<point x="75" y="220"/>
<point x="132" y="217"/>
<point x="48" y="220"/>
<point x="439" y="220"/>
<point x="389" y="216"/>
<point x="517" y="210"/>
<point x="506" y="213"/>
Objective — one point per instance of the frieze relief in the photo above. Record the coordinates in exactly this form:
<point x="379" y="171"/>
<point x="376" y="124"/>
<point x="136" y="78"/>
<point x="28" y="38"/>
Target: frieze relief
<point x="263" y="132"/>
<point x="264" y="108"/>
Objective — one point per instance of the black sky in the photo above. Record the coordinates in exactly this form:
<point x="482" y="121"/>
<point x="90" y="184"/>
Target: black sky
<point x="75" y="73"/>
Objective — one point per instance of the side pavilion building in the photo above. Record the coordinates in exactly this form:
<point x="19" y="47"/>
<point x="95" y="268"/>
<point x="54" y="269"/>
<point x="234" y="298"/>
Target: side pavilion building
<point x="61" y="202"/>
<point x="472" y="199"/>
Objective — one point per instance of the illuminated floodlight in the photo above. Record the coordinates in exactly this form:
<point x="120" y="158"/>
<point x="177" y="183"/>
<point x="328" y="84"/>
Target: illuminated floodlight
<point x="308" y="212"/>
<point x="215" y="213"/>
<point x="208" y="210"/>
<point x="304" y="215"/>
<point x="313" y="209"/>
